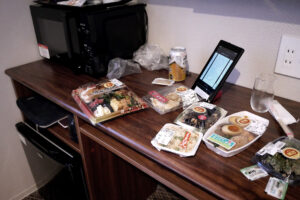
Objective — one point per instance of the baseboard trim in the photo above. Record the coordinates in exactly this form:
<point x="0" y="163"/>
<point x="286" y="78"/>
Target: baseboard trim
<point x="36" y="186"/>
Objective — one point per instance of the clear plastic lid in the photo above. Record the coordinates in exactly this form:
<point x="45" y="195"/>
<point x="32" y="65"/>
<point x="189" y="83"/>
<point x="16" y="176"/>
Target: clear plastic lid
<point x="200" y="115"/>
<point x="234" y="133"/>
<point x="166" y="99"/>
<point x="105" y="100"/>
<point x="178" y="140"/>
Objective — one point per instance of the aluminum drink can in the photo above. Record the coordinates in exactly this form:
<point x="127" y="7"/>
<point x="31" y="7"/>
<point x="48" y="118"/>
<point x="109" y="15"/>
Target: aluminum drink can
<point x="178" y="64"/>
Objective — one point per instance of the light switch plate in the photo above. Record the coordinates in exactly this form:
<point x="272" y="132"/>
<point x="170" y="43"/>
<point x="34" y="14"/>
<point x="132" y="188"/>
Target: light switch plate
<point x="288" y="60"/>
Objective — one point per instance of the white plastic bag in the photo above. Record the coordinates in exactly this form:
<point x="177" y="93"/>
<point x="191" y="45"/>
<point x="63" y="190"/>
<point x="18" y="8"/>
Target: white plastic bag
<point x="151" y="57"/>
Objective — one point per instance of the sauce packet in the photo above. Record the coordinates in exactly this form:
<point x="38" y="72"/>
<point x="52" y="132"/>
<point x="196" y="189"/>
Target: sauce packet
<point x="163" y="81"/>
<point x="276" y="188"/>
<point x="254" y="172"/>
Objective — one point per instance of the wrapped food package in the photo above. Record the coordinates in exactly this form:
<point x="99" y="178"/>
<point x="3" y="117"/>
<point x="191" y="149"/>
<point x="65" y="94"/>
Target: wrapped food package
<point x="234" y="133"/>
<point x="178" y="140"/>
<point x="200" y="115"/>
<point x="106" y="100"/>
<point x="166" y="99"/>
<point x="281" y="159"/>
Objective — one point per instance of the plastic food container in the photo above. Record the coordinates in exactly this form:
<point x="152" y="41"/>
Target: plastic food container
<point x="107" y="100"/>
<point x="281" y="159"/>
<point x="166" y="99"/>
<point x="178" y="140"/>
<point x="235" y="133"/>
<point x="200" y="115"/>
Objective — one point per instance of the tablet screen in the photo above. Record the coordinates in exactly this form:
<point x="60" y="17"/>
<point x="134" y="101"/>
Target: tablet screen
<point x="217" y="67"/>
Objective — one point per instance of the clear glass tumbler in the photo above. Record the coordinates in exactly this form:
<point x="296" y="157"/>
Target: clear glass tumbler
<point x="262" y="94"/>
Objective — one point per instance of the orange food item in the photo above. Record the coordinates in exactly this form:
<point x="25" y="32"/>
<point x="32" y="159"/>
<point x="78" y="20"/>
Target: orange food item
<point x="176" y="72"/>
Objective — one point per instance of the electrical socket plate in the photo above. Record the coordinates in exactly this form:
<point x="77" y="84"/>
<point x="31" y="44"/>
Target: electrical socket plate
<point x="288" y="60"/>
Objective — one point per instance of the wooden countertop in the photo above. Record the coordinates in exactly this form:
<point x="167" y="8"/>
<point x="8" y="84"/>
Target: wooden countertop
<point x="216" y="174"/>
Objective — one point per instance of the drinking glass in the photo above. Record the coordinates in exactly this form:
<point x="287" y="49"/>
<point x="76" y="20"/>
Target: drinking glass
<point x="262" y="94"/>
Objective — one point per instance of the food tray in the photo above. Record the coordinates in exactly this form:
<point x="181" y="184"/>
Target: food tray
<point x="278" y="165"/>
<point x="245" y="134"/>
<point x="106" y="100"/>
<point x="166" y="99"/>
<point x="200" y="115"/>
<point x="176" y="139"/>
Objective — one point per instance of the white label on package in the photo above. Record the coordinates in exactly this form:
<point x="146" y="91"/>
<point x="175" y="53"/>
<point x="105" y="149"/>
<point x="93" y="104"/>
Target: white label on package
<point x="201" y="93"/>
<point x="207" y="105"/>
<point x="265" y="149"/>
<point x="116" y="82"/>
<point x="257" y="127"/>
<point x="276" y="148"/>
<point x="44" y="52"/>
<point x="164" y="136"/>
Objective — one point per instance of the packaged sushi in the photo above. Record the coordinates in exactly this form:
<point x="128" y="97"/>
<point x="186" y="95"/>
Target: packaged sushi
<point x="200" y="115"/>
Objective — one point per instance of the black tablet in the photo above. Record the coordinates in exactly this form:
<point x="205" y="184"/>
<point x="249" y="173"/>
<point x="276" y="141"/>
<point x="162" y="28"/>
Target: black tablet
<point x="216" y="70"/>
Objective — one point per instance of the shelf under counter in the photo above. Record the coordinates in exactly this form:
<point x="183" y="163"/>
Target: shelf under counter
<point x="64" y="135"/>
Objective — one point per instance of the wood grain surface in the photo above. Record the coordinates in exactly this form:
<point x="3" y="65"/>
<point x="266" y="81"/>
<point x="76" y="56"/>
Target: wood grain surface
<point x="216" y="174"/>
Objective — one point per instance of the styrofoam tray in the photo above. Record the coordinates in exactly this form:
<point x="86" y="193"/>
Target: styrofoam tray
<point x="263" y="122"/>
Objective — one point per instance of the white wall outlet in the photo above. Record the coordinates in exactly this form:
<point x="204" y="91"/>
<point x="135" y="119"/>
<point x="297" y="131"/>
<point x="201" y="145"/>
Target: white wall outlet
<point x="288" y="60"/>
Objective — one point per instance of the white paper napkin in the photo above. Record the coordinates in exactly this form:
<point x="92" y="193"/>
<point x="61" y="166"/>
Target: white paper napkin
<point x="279" y="112"/>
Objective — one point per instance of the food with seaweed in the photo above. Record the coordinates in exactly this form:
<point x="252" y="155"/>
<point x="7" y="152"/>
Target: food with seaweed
<point x="281" y="165"/>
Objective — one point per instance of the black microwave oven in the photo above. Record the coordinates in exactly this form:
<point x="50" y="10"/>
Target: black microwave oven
<point x="87" y="38"/>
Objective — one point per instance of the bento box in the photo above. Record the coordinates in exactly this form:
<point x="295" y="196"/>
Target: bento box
<point x="106" y="100"/>
<point x="234" y="133"/>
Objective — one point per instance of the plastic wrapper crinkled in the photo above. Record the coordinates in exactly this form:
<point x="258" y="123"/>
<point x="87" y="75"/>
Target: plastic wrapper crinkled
<point x="281" y="159"/>
<point x="118" y="68"/>
<point x="178" y="140"/>
<point x="106" y="100"/>
<point x="151" y="57"/>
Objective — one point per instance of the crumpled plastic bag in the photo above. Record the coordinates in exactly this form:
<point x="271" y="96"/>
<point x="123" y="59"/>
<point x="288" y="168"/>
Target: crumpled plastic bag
<point x="118" y="68"/>
<point x="151" y="57"/>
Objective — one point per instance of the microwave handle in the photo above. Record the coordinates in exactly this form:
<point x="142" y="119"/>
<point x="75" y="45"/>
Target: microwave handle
<point x="67" y="31"/>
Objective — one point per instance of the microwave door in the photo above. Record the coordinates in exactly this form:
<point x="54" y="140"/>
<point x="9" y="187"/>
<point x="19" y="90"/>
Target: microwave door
<point x="53" y="36"/>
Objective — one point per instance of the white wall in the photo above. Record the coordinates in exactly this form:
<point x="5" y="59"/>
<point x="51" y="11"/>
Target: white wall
<point x="17" y="46"/>
<point x="198" y="25"/>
